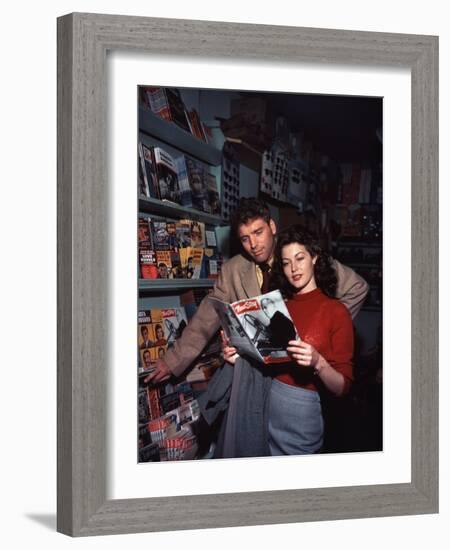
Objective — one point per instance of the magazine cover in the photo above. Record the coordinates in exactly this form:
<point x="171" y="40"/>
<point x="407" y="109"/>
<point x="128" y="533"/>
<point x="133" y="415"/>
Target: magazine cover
<point x="260" y="327"/>
<point x="145" y="232"/>
<point x="197" y="234"/>
<point x="183" y="182"/>
<point x="197" y="262"/>
<point x="148" y="166"/>
<point x="147" y="264"/>
<point x="197" y="183"/>
<point x="183" y="232"/>
<point x="174" y="321"/>
<point x="167" y="175"/>
<point x="161" y="237"/>
<point x="164" y="263"/>
<point x="213" y="204"/>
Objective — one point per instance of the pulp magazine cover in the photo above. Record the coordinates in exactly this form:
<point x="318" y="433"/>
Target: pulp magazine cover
<point x="260" y="327"/>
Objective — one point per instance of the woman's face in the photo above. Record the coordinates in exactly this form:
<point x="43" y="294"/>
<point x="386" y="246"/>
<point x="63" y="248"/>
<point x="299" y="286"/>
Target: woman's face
<point x="298" y="267"/>
<point x="159" y="333"/>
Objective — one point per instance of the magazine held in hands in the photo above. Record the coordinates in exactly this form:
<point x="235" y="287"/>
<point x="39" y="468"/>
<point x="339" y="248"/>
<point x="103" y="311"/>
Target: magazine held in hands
<point x="259" y="327"/>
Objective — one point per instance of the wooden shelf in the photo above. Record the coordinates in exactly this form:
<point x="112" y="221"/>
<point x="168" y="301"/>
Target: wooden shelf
<point x="162" y="285"/>
<point x="172" y="210"/>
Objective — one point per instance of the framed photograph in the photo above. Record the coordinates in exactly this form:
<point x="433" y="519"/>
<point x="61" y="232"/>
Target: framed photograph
<point x="91" y="246"/>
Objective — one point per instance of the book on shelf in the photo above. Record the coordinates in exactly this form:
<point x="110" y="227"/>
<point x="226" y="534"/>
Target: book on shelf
<point x="168" y="104"/>
<point x="147" y="263"/>
<point x="149" y="186"/>
<point x="147" y="258"/>
<point x="153" y="403"/>
<point x="166" y="173"/>
<point x="143" y="188"/>
<point x="164" y="264"/>
<point x="183" y="233"/>
<point x="197" y="183"/>
<point x="145" y="232"/>
<point x="197" y="262"/>
<point x="259" y="327"/>
<point x="181" y="446"/>
<point x="177" y="271"/>
<point x="177" y="249"/>
<point x="151" y="332"/>
<point x="212" y="261"/>
<point x="160" y="234"/>
<point x="162" y="427"/>
<point x="195" y="125"/>
<point x="183" y="181"/>
<point x="213" y="198"/>
<point x="197" y="234"/>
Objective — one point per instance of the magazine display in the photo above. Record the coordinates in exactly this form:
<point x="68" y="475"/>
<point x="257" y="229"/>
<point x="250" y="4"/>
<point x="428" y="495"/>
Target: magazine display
<point x="259" y="327"/>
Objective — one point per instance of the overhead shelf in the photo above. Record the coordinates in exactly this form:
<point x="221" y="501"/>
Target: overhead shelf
<point x="171" y="209"/>
<point x="173" y="135"/>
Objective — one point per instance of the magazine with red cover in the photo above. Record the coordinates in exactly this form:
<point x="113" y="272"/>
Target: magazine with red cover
<point x="260" y="327"/>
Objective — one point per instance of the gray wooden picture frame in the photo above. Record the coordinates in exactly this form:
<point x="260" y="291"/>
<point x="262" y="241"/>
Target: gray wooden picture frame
<point x="83" y="41"/>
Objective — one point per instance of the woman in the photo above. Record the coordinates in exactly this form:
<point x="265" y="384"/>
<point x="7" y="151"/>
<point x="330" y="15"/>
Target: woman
<point x="323" y="356"/>
<point x="160" y="338"/>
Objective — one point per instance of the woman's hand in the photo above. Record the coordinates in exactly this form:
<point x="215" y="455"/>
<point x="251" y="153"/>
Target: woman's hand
<point x="230" y="354"/>
<point x="303" y="354"/>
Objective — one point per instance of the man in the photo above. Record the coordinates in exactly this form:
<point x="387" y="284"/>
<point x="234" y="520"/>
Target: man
<point x="146" y="342"/>
<point x="147" y="360"/>
<point x="163" y="271"/>
<point x="244" y="276"/>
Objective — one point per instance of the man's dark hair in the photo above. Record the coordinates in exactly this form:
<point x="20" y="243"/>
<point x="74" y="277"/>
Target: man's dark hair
<point x="324" y="271"/>
<point x="248" y="209"/>
<point x="143" y="327"/>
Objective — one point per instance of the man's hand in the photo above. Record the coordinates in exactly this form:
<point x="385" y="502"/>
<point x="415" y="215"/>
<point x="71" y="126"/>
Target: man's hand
<point x="160" y="373"/>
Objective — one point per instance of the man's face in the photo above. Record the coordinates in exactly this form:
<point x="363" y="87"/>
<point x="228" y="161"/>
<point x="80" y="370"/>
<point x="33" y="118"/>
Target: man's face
<point x="145" y="333"/>
<point x="258" y="239"/>
<point x="163" y="272"/>
<point x="147" y="359"/>
<point x="196" y="234"/>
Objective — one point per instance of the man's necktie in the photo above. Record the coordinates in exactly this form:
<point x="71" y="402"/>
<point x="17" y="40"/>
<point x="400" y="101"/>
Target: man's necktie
<point x="265" y="268"/>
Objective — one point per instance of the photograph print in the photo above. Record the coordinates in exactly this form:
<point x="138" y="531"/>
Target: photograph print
<point x="259" y="251"/>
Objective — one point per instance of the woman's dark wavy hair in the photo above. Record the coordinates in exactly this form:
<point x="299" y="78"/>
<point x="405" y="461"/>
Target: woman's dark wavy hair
<point x="324" y="272"/>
